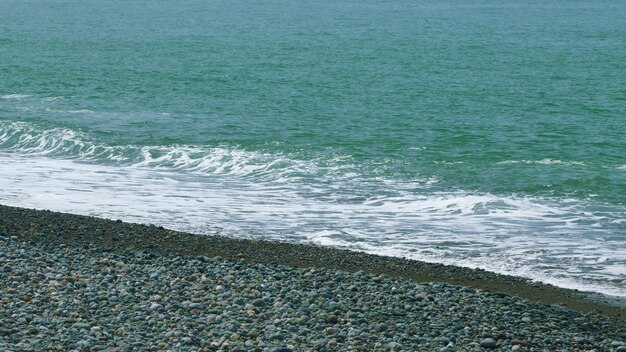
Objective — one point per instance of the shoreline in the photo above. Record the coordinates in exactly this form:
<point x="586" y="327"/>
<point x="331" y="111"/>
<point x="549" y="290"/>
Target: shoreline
<point x="113" y="235"/>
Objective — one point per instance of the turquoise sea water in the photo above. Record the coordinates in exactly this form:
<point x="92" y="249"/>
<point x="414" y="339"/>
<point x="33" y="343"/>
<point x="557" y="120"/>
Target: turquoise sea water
<point x="477" y="133"/>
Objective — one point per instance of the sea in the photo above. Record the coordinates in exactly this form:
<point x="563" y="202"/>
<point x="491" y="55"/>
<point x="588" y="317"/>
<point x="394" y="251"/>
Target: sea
<point x="486" y="133"/>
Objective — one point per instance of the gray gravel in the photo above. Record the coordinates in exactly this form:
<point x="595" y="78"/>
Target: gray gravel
<point x="81" y="297"/>
<point x="62" y="228"/>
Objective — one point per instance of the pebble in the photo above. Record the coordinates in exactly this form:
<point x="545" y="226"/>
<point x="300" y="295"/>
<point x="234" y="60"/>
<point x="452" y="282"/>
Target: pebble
<point x="581" y="341"/>
<point x="100" y="300"/>
<point x="196" y="306"/>
<point x="488" y="343"/>
<point x="519" y="342"/>
<point x="421" y="296"/>
<point x="259" y="303"/>
<point x="332" y="319"/>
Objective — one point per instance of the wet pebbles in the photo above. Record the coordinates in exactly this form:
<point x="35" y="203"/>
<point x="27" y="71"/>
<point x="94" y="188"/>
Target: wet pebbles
<point x="80" y="297"/>
<point x="79" y="283"/>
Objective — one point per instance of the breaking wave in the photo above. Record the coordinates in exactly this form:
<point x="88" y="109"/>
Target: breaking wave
<point x="568" y="242"/>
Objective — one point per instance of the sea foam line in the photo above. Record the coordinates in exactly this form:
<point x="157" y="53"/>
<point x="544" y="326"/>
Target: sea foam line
<point x="546" y="161"/>
<point x="269" y="199"/>
<point x="25" y="138"/>
<point x="530" y="237"/>
<point x="65" y="143"/>
<point x="15" y="96"/>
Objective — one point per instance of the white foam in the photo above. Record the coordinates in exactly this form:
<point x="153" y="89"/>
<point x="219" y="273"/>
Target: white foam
<point x="550" y="241"/>
<point x="80" y="111"/>
<point x="62" y="142"/>
<point x="546" y="161"/>
<point x="53" y="98"/>
<point x="501" y="261"/>
<point x="15" y="96"/>
<point x="247" y="193"/>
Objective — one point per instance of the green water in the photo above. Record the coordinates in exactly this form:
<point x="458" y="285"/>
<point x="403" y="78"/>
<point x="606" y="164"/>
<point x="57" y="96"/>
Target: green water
<point x="345" y="102"/>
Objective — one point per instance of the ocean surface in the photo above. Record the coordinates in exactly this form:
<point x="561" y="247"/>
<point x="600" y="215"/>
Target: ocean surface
<point x="486" y="134"/>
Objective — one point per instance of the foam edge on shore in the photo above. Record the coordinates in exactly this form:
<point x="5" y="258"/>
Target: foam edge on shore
<point x="115" y="235"/>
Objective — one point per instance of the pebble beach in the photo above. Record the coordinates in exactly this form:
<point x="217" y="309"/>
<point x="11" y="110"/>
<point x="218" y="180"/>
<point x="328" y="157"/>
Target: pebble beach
<point x="75" y="283"/>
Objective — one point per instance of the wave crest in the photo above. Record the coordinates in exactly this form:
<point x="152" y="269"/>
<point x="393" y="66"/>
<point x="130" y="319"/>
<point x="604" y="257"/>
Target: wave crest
<point x="546" y="161"/>
<point x="65" y="143"/>
<point x="15" y="96"/>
